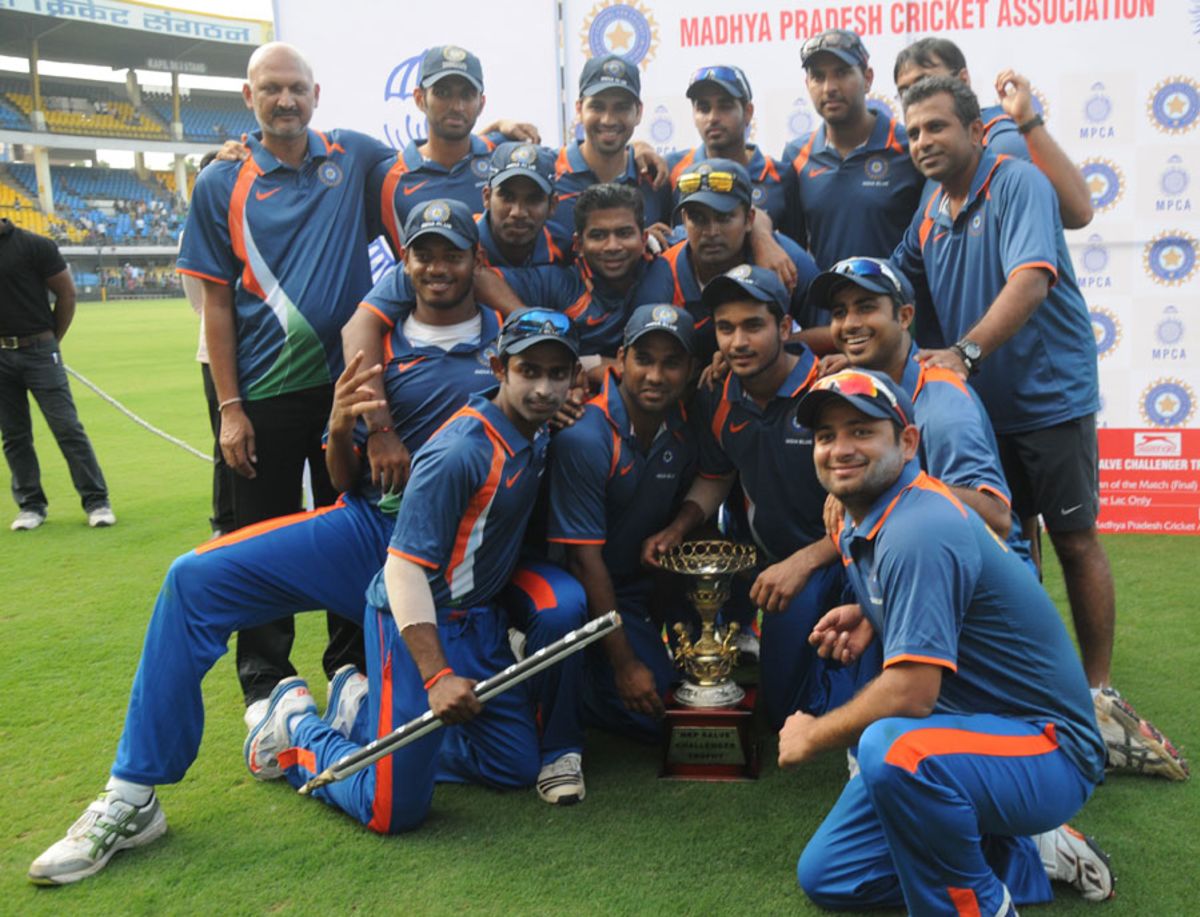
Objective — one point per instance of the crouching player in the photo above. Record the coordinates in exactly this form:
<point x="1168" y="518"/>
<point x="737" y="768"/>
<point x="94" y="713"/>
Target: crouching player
<point x="979" y="731"/>
<point x="433" y="623"/>
<point x="617" y="476"/>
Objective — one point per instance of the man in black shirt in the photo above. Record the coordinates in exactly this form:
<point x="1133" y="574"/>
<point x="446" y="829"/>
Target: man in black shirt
<point x="30" y="361"/>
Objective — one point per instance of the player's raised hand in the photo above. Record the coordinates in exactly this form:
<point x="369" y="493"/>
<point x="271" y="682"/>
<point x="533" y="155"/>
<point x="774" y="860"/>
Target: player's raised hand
<point x="453" y="700"/>
<point x="352" y="397"/>
<point x="843" y="634"/>
<point x="1016" y="95"/>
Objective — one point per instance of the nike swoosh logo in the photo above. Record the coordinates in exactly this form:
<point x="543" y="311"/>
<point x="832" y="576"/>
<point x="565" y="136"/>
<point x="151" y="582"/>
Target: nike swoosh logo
<point x="263" y="195"/>
<point x="738" y="427"/>
<point x="509" y="482"/>
<point x="593" y="320"/>
<point x="939" y="237"/>
<point x="402" y="367"/>
<point x="628" y="468"/>
<point x="569" y="195"/>
<point x="1068" y="511"/>
<point x="819" y="170"/>
<point x="409" y="189"/>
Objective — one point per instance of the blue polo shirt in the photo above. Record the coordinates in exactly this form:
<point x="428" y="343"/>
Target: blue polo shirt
<point x="1046" y="373"/>
<point x="410" y="179"/>
<point x="573" y="176"/>
<point x="859" y="205"/>
<point x="548" y="249"/>
<point x="293" y="245"/>
<point x="605" y="490"/>
<point x="687" y="291"/>
<point x="598" y="311"/>
<point x="772" y="181"/>
<point x="940" y="588"/>
<point x="1000" y="133"/>
<point x="772" y="455"/>
<point x="468" y="500"/>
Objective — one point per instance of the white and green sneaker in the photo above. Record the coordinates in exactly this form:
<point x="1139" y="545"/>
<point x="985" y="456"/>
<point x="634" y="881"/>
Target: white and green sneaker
<point x="109" y="824"/>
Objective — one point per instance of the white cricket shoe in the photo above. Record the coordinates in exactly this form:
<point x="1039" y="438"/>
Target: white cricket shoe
<point x="271" y="736"/>
<point x="101" y="517"/>
<point x="347" y="692"/>
<point x="109" y="824"/>
<point x="1133" y="743"/>
<point x="1076" y="859"/>
<point x="560" y="782"/>
<point x="27" y="520"/>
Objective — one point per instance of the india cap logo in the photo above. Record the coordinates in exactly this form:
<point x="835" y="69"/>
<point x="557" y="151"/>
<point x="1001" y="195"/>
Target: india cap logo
<point x="741" y="272"/>
<point x="1170" y="258"/>
<point x="1105" y="182"/>
<point x="625" y="28"/>
<point x="1174" y="105"/>
<point x="1106" y="328"/>
<point x="665" y="315"/>
<point x="1167" y="403"/>
<point x="454" y="53"/>
<point x="436" y="212"/>
<point x="523" y="155"/>
<point x="615" y="69"/>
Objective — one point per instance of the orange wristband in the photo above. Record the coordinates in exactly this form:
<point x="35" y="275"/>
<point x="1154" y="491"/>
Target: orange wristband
<point x="434" y="679"/>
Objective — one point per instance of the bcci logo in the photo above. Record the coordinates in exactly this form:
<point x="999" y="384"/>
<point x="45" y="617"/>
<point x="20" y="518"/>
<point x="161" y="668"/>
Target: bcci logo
<point x="627" y="29"/>
<point x="481" y="166"/>
<point x="975" y="227"/>
<point x="454" y="54"/>
<point x="409" y="126"/>
<point x="1168" y="403"/>
<point x="800" y="121"/>
<point x="1105" y="182"/>
<point x="758" y="195"/>
<point x="664" y="315"/>
<point x="881" y="104"/>
<point x="436" y="213"/>
<point x="1170" y="258"/>
<point x="1174" y="105"/>
<point x="523" y="155"/>
<point x="1107" y="331"/>
<point x="876" y="168"/>
<point x="741" y="272"/>
<point x="485" y="354"/>
<point x="329" y="173"/>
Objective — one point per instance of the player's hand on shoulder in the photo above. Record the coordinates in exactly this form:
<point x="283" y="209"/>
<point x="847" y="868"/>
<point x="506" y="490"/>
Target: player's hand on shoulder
<point x="770" y="254"/>
<point x="571" y="410"/>
<point x="945" y="358"/>
<point x="832" y="363"/>
<point x="521" y="131"/>
<point x="453" y="700"/>
<point x="843" y="634"/>
<point x="658" y="238"/>
<point x="233" y="151"/>
<point x="715" y="372"/>
<point x="650" y="164"/>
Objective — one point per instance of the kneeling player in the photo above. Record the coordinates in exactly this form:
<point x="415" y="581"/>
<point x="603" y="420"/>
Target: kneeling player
<point x="979" y="731"/>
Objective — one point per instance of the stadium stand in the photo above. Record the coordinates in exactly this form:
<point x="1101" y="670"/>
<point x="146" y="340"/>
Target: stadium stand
<point x="84" y="107"/>
<point x="205" y="116"/>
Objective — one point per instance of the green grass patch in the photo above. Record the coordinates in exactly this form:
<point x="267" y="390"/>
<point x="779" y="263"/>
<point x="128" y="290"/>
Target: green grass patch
<point x="74" y="608"/>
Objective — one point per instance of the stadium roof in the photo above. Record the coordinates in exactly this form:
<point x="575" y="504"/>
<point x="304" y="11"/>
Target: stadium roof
<point x="122" y="35"/>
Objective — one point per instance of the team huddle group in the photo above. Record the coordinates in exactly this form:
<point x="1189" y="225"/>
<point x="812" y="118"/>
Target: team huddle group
<point x="870" y="359"/>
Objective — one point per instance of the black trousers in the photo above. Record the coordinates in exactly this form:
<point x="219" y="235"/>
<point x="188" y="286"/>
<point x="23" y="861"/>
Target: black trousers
<point x="287" y="432"/>
<point x="222" y="487"/>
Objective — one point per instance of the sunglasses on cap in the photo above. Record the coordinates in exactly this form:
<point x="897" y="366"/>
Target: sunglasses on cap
<point x="869" y="267"/>
<point x="724" y="74"/>
<point x="535" y="321"/>
<point x="848" y="382"/>
<point x="833" y="40"/>
<point x="721" y="182"/>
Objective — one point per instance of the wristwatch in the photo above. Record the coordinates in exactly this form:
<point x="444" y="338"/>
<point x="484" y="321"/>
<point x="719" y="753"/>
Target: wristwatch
<point x="970" y="353"/>
<point x="1035" y="121"/>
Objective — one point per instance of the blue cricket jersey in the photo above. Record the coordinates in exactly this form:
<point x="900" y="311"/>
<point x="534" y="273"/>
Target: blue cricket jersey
<point x="548" y="249"/>
<point x="771" y="180"/>
<point x="573" y="176"/>
<point x="605" y="490"/>
<point x="940" y="588"/>
<point x="293" y="245"/>
<point x="1046" y="373"/>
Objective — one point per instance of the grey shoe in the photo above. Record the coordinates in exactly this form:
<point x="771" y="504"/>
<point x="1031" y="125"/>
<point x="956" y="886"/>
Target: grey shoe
<point x="271" y="736"/>
<point x="347" y="692"/>
<point x="109" y="824"/>
<point x="27" y="520"/>
<point x="101" y="517"/>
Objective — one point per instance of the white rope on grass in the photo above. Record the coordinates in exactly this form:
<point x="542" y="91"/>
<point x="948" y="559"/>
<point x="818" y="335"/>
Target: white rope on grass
<point x="138" y="420"/>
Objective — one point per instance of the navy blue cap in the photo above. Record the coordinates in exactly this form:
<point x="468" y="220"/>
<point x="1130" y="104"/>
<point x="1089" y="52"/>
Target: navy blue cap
<point x="747" y="280"/>
<point x="665" y="318"/>
<point x="843" y="44"/>
<point x="526" y="327"/>
<point x="731" y="79"/>
<point x="873" y="393"/>
<point x="610" y="72"/>
<point x="873" y="274"/>
<point x="722" y="201"/>
<point x="527" y="160"/>
<point x="449" y="219"/>
<point x="450" y="60"/>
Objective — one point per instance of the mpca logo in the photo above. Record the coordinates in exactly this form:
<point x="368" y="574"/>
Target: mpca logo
<point x="1157" y="443"/>
<point x="1174" y="105"/>
<point x="627" y="29"/>
<point x="1170" y="258"/>
<point x="800" y="122"/>
<point x="1105" y="182"/>
<point x="409" y="123"/>
<point x="662" y="128"/>
<point x="1168" y="403"/>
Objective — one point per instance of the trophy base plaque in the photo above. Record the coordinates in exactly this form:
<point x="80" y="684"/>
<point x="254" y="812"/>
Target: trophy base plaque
<point x="710" y="743"/>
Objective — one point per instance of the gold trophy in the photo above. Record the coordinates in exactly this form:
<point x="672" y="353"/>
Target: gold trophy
<point x="708" y="735"/>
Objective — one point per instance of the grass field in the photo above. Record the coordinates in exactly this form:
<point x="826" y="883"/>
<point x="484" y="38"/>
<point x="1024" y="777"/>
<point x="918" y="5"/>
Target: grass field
<point x="72" y="614"/>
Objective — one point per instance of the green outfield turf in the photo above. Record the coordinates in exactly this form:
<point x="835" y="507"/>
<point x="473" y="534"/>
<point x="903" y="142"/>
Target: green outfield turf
<point x="73" y="609"/>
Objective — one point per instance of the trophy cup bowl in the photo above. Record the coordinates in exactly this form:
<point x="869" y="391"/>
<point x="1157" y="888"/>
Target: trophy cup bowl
<point x="708" y="662"/>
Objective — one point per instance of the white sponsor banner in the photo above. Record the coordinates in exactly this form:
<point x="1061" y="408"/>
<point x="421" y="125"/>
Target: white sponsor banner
<point x="367" y="55"/>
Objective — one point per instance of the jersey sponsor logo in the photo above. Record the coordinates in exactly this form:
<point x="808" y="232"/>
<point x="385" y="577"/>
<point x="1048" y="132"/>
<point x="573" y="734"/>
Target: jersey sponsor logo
<point x="1169" y="334"/>
<point x="1165" y="444"/>
<point x="738" y="427"/>
<point x="1167" y="402"/>
<point x="1106" y="328"/>
<point x="263" y="195"/>
<point x="1174" y="105"/>
<point x="1170" y="258"/>
<point x="516" y="475"/>
<point x="615" y="27"/>
<point x="1105" y="183"/>
<point x="409" y="123"/>
<point x="330" y="174"/>
<point x="412" y="189"/>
